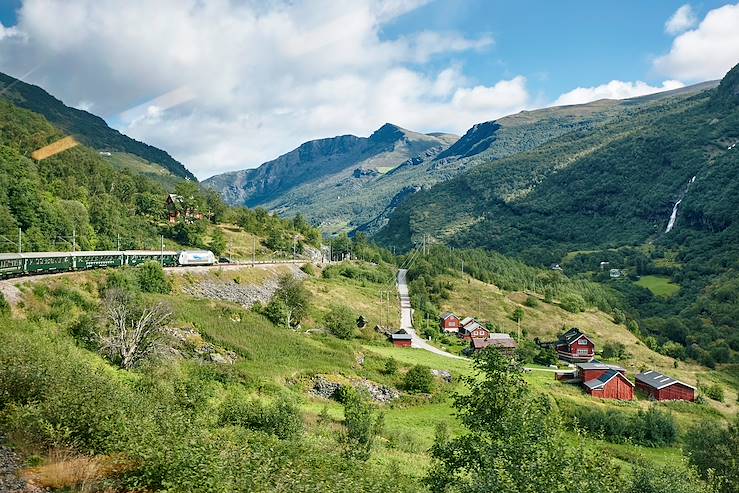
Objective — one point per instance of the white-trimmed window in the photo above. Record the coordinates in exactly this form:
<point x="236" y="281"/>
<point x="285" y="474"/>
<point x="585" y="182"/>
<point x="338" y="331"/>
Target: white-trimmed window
<point x="582" y="352"/>
<point x="583" y="342"/>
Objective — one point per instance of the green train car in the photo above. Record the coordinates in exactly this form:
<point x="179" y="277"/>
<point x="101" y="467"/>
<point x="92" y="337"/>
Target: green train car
<point x="21" y="264"/>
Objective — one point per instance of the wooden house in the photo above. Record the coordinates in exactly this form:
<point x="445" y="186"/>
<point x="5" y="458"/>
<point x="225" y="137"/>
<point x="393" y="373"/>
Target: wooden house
<point x="574" y="346"/>
<point x="450" y="322"/>
<point x="176" y="209"/>
<point x="401" y="338"/>
<point x="605" y="381"/>
<point x="504" y="342"/>
<point x="663" y="388"/>
<point x="474" y="330"/>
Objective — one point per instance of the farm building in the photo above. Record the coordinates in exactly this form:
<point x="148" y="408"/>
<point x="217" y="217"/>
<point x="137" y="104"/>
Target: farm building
<point x="663" y="388"/>
<point x="177" y="209"/>
<point x="574" y="346"/>
<point x="401" y="338"/>
<point x="450" y="322"/>
<point x="474" y="330"/>
<point x="466" y="321"/>
<point x="504" y="342"/>
<point x="606" y="381"/>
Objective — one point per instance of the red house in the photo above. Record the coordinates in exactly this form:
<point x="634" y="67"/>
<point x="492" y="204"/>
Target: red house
<point x="574" y="346"/>
<point x="474" y="330"/>
<point x="176" y="209"/>
<point x="605" y="381"/>
<point x="450" y="322"/>
<point x="401" y="338"/>
<point x="663" y="388"/>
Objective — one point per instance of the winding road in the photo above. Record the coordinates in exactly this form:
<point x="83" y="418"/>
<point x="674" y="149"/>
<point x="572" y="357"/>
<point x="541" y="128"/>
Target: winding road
<point x="406" y="319"/>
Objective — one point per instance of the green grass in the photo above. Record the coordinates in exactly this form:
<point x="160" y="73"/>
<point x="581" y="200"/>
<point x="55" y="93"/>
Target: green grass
<point x="659" y="285"/>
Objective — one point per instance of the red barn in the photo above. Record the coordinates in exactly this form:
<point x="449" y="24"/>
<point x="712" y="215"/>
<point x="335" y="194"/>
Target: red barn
<point x="663" y="388"/>
<point x="450" y="322"/>
<point x="575" y="346"/>
<point x="504" y="342"/>
<point x="474" y="330"/>
<point x="593" y="370"/>
<point x="401" y="338"/>
<point x="611" y="384"/>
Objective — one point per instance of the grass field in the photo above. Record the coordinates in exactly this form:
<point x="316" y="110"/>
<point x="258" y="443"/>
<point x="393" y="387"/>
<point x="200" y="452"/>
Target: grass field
<point x="658" y="285"/>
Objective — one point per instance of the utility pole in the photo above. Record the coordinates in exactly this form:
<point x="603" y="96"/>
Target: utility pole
<point x="295" y="246"/>
<point x="119" y="242"/>
<point x="74" y="239"/>
<point x="462" y="266"/>
<point x="161" y="246"/>
<point x="254" y="252"/>
<point x="20" y="241"/>
<point x="330" y="253"/>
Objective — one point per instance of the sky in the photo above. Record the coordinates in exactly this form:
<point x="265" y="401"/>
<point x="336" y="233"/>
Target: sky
<point x="229" y="84"/>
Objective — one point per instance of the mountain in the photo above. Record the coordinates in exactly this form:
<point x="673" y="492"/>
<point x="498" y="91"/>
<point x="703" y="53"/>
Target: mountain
<point x="331" y="169"/>
<point x="653" y="191"/>
<point x="91" y="130"/>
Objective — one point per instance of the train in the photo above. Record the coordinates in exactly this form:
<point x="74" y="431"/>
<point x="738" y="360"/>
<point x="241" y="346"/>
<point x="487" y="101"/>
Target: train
<point x="31" y="263"/>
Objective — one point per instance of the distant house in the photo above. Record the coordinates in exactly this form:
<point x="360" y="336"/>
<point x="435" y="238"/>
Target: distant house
<point x="555" y="267"/>
<point x="574" y="346"/>
<point x="474" y="330"/>
<point x="176" y="209"/>
<point x="504" y="342"/>
<point x="450" y="322"/>
<point x="605" y="381"/>
<point x="466" y="321"/>
<point x="616" y="273"/>
<point x="663" y="388"/>
<point x="401" y="338"/>
<point x="361" y="322"/>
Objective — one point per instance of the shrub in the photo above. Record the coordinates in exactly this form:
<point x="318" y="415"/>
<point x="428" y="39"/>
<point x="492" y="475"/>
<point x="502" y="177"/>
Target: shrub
<point x="614" y="350"/>
<point x="290" y="302"/>
<point x="151" y="278"/>
<point x="361" y="425"/>
<point x="651" y="428"/>
<point x="655" y="428"/>
<point x="546" y="357"/>
<point x="532" y="302"/>
<point x="573" y="303"/>
<point x="309" y="269"/>
<point x="340" y="321"/>
<point x="391" y="367"/>
<point x="4" y="306"/>
<point x="713" y="391"/>
<point x="281" y="417"/>
<point x="419" y="379"/>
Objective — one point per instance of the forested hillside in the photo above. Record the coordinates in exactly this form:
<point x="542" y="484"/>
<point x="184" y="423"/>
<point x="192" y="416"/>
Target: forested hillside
<point x="612" y="186"/>
<point x="86" y="127"/>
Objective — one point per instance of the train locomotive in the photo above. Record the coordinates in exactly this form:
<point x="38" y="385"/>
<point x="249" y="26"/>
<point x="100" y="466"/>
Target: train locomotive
<point x="32" y="263"/>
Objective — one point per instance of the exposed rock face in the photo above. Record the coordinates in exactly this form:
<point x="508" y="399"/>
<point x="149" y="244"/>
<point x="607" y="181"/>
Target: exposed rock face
<point x="10" y="482"/>
<point x="443" y="374"/>
<point x="327" y="389"/>
<point x="192" y="342"/>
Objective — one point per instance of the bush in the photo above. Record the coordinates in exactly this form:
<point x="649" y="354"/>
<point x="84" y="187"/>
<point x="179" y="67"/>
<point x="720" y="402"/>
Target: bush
<point x="281" y="417"/>
<point x="651" y="428"/>
<point x="4" y="306"/>
<point x="151" y="278"/>
<point x="573" y="303"/>
<point x="713" y="391"/>
<point x="362" y="425"/>
<point x="309" y="269"/>
<point x="419" y="379"/>
<point x="615" y="350"/>
<point x="340" y="321"/>
<point x="532" y="302"/>
<point x="546" y="357"/>
<point x="391" y="367"/>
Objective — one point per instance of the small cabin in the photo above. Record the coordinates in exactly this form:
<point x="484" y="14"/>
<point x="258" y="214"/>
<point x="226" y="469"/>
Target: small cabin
<point x="504" y="342"/>
<point x="663" y="388"/>
<point x="450" y="322"/>
<point x="176" y="209"/>
<point x="574" y="346"/>
<point x="474" y="330"/>
<point x="611" y="384"/>
<point x="401" y="338"/>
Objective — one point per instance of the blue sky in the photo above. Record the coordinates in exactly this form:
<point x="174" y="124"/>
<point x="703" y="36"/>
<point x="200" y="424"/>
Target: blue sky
<point x="229" y="84"/>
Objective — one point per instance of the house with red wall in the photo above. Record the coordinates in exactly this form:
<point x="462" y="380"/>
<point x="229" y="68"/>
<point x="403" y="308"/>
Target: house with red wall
<point x="474" y="330"/>
<point x="663" y="388"/>
<point x="604" y="381"/>
<point x="504" y="342"/>
<point x="401" y="338"/>
<point x="574" y="346"/>
<point x="450" y="322"/>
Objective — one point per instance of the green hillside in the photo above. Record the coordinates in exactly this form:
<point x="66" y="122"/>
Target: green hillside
<point x="86" y="127"/>
<point x="586" y="196"/>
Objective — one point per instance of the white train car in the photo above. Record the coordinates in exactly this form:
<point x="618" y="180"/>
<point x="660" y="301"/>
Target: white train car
<point x="197" y="257"/>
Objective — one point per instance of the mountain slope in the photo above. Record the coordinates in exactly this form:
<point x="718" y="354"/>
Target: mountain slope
<point x="89" y="129"/>
<point x="608" y="194"/>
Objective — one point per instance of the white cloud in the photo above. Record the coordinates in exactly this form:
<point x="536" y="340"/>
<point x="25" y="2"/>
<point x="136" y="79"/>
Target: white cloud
<point x="7" y="32"/>
<point x="683" y="19"/>
<point x="616" y="89"/>
<point x="707" y="52"/>
<point x="226" y="85"/>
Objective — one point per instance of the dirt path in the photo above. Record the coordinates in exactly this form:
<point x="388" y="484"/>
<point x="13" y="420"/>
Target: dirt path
<point x="406" y="319"/>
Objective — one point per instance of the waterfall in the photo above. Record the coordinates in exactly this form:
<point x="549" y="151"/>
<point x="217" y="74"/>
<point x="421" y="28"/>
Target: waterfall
<point x="673" y="216"/>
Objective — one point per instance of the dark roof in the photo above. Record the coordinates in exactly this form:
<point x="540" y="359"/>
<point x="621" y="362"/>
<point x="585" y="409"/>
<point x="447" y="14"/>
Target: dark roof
<point x="571" y="336"/>
<point x="601" y="381"/>
<point x="401" y="335"/>
<point x="597" y="365"/>
<point x="447" y="315"/>
<point x="474" y="325"/>
<point x="657" y="380"/>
